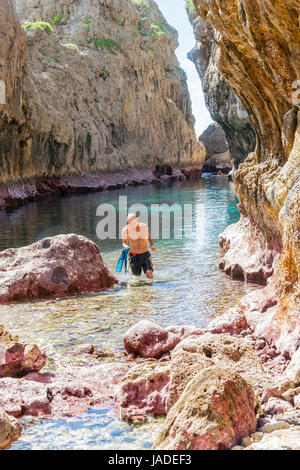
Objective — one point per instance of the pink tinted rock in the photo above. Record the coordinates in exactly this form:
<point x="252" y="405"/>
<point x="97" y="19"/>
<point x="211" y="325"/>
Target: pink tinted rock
<point x="143" y="390"/>
<point x="17" y="359"/>
<point x="246" y="255"/>
<point x="185" y="331"/>
<point x="214" y="412"/>
<point x="146" y="339"/>
<point x="85" y="349"/>
<point x="275" y="406"/>
<point x="55" y="266"/>
<point x="69" y="392"/>
<point x="232" y="322"/>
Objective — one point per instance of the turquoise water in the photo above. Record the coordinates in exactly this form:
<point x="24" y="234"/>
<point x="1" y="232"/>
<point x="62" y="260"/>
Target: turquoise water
<point x="188" y="289"/>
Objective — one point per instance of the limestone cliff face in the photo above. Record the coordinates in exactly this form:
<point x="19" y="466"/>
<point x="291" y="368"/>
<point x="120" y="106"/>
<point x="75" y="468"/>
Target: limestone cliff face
<point x="217" y="157"/>
<point x="259" y="56"/>
<point x="102" y="92"/>
<point x="223" y="104"/>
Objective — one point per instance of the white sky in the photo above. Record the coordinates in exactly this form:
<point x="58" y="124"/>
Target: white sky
<point x="175" y="14"/>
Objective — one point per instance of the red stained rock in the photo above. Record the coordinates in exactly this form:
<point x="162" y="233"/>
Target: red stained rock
<point x="55" y="266"/>
<point x="246" y="256"/>
<point x="18" y="359"/>
<point x="65" y="393"/>
<point x="85" y="349"/>
<point x="146" y="339"/>
<point x="185" y="331"/>
<point x="215" y="411"/>
<point x="143" y="390"/>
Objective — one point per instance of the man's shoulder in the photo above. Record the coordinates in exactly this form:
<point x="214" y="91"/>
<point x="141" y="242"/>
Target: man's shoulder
<point x="143" y="225"/>
<point x="124" y="230"/>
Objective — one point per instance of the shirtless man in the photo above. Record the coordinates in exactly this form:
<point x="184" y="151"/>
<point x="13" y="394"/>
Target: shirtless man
<point x="136" y="236"/>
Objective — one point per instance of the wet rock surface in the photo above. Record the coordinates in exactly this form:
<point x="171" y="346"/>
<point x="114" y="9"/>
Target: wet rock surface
<point x="61" y="265"/>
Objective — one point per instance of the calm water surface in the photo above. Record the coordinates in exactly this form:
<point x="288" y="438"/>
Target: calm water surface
<point x="187" y="289"/>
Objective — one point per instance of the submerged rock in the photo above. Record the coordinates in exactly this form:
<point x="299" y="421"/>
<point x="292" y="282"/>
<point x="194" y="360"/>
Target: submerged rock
<point x="69" y="392"/>
<point x="117" y="70"/>
<point x="146" y="339"/>
<point x="10" y="429"/>
<point x="215" y="411"/>
<point x="143" y="390"/>
<point x="55" y="266"/>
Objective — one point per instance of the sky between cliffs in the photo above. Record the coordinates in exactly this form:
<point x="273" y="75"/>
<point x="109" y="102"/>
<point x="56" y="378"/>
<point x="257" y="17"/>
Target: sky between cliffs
<point x="175" y="14"/>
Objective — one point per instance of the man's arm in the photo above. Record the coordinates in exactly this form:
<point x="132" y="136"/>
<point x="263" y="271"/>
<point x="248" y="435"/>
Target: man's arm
<point x="150" y="241"/>
<point x="125" y="238"/>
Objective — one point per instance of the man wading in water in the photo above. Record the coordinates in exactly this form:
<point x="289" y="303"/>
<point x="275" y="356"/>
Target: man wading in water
<point x="136" y="236"/>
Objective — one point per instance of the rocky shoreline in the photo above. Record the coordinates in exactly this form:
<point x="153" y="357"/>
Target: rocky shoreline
<point x="218" y="387"/>
<point x="19" y="193"/>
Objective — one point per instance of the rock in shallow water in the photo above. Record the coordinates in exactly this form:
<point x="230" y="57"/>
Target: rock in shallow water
<point x="143" y="390"/>
<point x="215" y="411"/>
<point x="17" y="359"/>
<point x="61" y="265"/>
<point x="146" y="339"/>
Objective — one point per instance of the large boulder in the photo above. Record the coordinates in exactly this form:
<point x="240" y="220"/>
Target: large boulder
<point x="215" y="412"/>
<point x="55" y="266"/>
<point x="10" y="429"/>
<point x="197" y="353"/>
<point x="146" y="339"/>
<point x="18" y="359"/>
<point x="143" y="390"/>
<point x="214" y="140"/>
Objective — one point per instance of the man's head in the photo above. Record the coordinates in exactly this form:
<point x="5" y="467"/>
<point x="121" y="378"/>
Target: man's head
<point x="132" y="219"/>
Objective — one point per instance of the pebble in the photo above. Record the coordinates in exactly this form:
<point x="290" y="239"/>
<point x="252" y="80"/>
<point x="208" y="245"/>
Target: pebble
<point x="247" y="441"/>
<point x="276" y="426"/>
<point x="257" y="436"/>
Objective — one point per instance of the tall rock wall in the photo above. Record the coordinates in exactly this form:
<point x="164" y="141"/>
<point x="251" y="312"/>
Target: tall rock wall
<point x="101" y="93"/>
<point x="259" y="56"/>
<point x="224" y="106"/>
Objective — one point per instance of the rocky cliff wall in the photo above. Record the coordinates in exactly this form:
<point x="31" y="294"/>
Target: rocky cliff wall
<point x="101" y="93"/>
<point x="224" y="106"/>
<point x="259" y="56"/>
